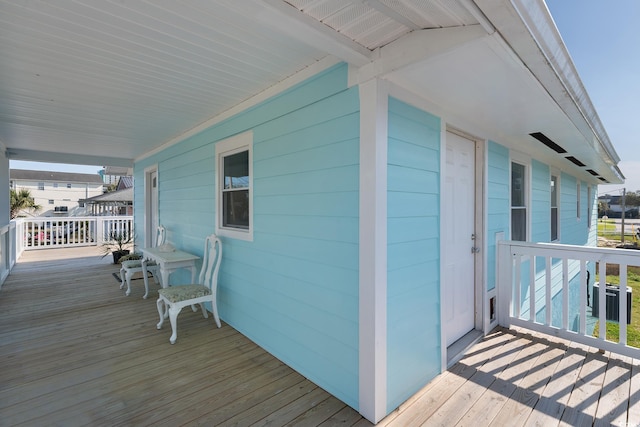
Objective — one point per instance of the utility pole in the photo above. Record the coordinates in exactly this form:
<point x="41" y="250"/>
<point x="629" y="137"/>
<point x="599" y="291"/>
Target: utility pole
<point x="624" y="193"/>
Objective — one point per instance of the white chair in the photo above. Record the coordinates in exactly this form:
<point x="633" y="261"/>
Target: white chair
<point x="173" y="299"/>
<point x="133" y="266"/>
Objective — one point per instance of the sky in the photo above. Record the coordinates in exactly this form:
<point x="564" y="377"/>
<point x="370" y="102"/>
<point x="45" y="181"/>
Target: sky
<point x="603" y="39"/>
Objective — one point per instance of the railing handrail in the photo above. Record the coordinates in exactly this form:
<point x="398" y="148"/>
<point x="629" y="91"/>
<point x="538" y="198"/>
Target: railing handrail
<point x="588" y="253"/>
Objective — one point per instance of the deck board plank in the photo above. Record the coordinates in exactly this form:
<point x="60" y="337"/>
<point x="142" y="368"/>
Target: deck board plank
<point x="507" y="381"/>
<point x="582" y="405"/>
<point x="616" y="386"/>
<point x="553" y="399"/>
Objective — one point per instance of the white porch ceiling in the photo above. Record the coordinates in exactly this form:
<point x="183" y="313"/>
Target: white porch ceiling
<point x="107" y="81"/>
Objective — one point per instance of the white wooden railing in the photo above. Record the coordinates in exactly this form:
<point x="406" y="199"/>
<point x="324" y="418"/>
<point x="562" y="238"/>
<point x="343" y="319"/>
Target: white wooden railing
<point x="543" y="287"/>
<point x="47" y="233"/>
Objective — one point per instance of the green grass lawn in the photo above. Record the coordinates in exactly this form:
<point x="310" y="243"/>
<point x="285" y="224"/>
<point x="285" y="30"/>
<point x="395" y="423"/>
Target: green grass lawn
<point x="633" y="330"/>
<point x="606" y="226"/>
<point x="607" y="229"/>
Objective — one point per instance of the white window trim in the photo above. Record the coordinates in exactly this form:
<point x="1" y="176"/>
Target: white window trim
<point x="589" y="204"/>
<point x="234" y="144"/>
<point x="578" y="201"/>
<point x="526" y="162"/>
<point x="558" y="175"/>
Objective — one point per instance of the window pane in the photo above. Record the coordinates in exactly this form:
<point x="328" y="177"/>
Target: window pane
<point x="554" y="191"/>
<point x="554" y="208"/>
<point x="519" y="224"/>
<point x="235" y="208"/>
<point x="578" y="200"/>
<point x="554" y="224"/>
<point x="236" y="170"/>
<point x="517" y="184"/>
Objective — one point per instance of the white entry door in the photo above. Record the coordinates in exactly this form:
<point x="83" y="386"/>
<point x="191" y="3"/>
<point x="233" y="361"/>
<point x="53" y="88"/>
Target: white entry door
<point x="458" y="279"/>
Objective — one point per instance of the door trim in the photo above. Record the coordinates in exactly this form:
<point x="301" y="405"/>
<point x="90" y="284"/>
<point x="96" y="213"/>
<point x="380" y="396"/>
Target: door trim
<point x="479" y="224"/>
<point x="148" y="226"/>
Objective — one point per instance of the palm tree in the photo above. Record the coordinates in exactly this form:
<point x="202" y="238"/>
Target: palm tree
<point x="22" y="200"/>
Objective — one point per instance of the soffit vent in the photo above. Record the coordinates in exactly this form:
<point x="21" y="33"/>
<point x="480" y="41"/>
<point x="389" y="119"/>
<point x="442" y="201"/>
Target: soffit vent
<point x="602" y="179"/>
<point x="575" y="161"/>
<point x="592" y="172"/>
<point x="549" y="143"/>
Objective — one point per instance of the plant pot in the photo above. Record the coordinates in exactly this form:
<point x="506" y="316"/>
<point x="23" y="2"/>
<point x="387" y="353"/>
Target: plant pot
<point x="119" y="254"/>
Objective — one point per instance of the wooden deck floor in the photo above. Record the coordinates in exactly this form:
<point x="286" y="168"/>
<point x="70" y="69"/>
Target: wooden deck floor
<point x="75" y="351"/>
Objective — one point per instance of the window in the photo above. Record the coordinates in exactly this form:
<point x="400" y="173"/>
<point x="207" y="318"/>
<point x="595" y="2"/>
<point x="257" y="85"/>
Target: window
<point x="518" y="202"/>
<point x="68" y="185"/>
<point x="578" y="200"/>
<point x="234" y="216"/>
<point x="589" y="207"/>
<point x="51" y="201"/>
<point x="41" y="186"/>
<point x="554" y="208"/>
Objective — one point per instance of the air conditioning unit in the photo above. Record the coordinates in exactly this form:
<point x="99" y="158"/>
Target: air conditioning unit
<point x="613" y="302"/>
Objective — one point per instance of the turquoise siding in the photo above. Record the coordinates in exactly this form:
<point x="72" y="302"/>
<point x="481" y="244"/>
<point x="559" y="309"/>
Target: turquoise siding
<point x="294" y="289"/>
<point x="498" y="204"/>
<point x="573" y="231"/>
<point x="413" y="280"/>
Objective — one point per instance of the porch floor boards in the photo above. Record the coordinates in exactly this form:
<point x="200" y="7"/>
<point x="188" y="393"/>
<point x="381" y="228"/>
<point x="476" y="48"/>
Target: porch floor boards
<point x="75" y="351"/>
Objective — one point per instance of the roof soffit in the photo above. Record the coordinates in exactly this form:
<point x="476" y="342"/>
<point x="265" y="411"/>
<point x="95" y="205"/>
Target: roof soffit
<point x="530" y="32"/>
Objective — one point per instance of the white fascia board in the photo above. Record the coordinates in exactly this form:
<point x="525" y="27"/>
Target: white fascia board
<point x="418" y="46"/>
<point x="373" y="250"/>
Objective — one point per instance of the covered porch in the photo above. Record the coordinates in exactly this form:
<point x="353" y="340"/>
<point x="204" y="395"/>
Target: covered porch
<point x="74" y="349"/>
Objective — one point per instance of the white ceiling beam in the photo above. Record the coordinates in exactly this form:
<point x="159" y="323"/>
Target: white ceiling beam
<point x="418" y="46"/>
<point x="286" y="19"/>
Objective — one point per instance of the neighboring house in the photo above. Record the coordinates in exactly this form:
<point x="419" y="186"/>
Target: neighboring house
<point x="111" y="174"/>
<point x="119" y="202"/>
<point x="59" y="194"/>
<point x="614" y="204"/>
<point x="364" y="160"/>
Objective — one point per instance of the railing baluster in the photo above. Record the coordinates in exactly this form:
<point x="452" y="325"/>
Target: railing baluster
<point x="582" y="305"/>
<point x="518" y="287"/>
<point x="532" y="288"/>
<point x="565" y="293"/>
<point x="547" y="290"/>
<point x="602" y="300"/>
<point x="622" y="300"/>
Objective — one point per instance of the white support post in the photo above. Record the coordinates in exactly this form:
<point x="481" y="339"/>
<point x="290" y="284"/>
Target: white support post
<point x="504" y="285"/>
<point x="373" y="250"/>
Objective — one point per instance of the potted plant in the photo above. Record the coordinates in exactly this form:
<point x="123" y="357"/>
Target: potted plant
<point x="117" y="244"/>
